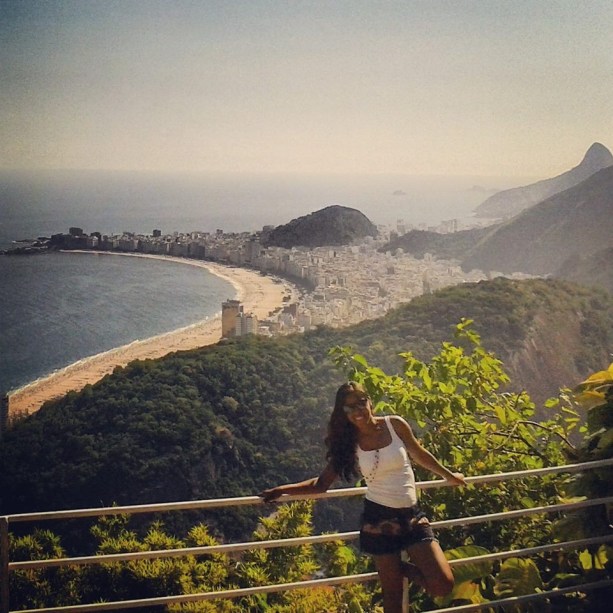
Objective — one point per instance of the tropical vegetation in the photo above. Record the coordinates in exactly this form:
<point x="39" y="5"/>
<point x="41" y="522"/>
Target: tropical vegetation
<point x="462" y="413"/>
<point x="232" y="419"/>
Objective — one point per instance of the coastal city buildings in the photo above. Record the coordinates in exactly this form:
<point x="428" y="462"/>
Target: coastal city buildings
<point x="340" y="285"/>
<point x="235" y="322"/>
<point x="246" y="323"/>
<point x="230" y="310"/>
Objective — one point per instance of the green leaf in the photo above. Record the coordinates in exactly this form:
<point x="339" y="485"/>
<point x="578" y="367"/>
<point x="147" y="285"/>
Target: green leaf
<point x="473" y="570"/>
<point x="501" y="414"/>
<point x="517" y="577"/>
<point x="599" y="378"/>
<point x="527" y="502"/>
<point x="425" y="377"/>
<point x="595" y="561"/>
<point x="590" y="399"/>
<point x="360" y="359"/>
<point x="466" y="592"/>
<point x="569" y="411"/>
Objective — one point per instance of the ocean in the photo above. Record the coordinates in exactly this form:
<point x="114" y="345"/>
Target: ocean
<point x="59" y="308"/>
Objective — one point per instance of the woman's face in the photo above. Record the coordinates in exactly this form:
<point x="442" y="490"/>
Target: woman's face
<point x="357" y="408"/>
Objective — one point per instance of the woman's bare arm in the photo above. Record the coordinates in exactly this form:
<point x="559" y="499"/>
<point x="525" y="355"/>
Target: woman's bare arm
<point x="316" y="485"/>
<point x="420" y="455"/>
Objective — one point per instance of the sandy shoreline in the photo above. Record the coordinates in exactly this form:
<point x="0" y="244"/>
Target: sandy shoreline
<point x="259" y="294"/>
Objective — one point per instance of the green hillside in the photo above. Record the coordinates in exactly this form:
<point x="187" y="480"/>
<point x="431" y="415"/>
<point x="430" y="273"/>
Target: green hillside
<point x="231" y="419"/>
<point x="575" y="223"/>
<point x="593" y="270"/>
<point x="454" y="245"/>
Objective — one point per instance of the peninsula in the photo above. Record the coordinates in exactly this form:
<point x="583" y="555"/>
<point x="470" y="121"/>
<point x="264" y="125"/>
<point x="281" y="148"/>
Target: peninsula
<point x="350" y="280"/>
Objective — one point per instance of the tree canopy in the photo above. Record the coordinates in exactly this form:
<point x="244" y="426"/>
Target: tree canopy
<point x="233" y="418"/>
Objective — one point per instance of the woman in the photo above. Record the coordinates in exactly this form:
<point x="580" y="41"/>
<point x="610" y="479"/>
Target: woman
<point x="391" y="520"/>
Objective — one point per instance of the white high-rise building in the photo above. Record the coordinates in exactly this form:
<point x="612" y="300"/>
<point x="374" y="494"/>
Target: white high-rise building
<point x="230" y="309"/>
<point x="245" y="323"/>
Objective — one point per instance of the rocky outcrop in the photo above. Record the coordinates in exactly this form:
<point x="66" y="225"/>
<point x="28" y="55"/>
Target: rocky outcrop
<point x="536" y="365"/>
<point x="510" y="202"/>
<point x="333" y="225"/>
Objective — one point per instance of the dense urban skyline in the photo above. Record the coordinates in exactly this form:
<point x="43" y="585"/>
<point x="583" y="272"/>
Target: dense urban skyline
<point x="440" y="87"/>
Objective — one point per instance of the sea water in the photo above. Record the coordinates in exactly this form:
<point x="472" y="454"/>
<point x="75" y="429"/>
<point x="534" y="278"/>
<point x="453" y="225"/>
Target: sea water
<point x="59" y="308"/>
<point x="56" y="308"/>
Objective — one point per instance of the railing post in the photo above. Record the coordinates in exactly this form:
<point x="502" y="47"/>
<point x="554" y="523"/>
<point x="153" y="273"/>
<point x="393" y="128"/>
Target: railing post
<point x="4" y="565"/>
<point x="405" y="584"/>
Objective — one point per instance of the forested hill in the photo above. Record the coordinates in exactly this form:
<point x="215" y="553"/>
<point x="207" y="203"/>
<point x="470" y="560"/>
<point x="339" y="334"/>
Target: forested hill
<point x="574" y="223"/>
<point x="453" y="245"/>
<point x="230" y="419"/>
<point x="332" y="225"/>
<point x="594" y="269"/>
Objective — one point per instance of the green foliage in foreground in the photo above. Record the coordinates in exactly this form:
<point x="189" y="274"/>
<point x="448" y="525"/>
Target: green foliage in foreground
<point x="234" y="418"/>
<point x="471" y="426"/>
<point x="482" y="430"/>
<point x="192" y="574"/>
<point x="595" y="563"/>
<point x="464" y="419"/>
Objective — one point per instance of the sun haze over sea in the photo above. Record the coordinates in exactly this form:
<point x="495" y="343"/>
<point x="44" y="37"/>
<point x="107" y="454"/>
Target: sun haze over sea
<point x="361" y="87"/>
<point x="129" y="116"/>
<point x="50" y="201"/>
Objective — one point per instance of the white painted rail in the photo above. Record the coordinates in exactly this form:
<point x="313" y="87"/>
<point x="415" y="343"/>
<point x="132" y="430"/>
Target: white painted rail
<point x="6" y="566"/>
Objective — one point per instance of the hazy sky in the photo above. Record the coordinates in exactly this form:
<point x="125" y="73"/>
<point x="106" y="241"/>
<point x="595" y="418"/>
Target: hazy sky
<point x="485" y="87"/>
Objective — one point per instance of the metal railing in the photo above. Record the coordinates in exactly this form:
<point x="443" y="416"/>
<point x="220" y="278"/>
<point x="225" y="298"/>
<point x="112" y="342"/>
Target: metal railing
<point x="6" y="566"/>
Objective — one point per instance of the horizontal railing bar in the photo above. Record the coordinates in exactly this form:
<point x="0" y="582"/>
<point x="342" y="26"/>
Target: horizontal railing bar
<point x="251" y="500"/>
<point x="222" y="594"/>
<point x="532" y="472"/>
<point x="476" y="519"/>
<point x="186" y="551"/>
<point x="330" y="581"/>
<point x="137" y="508"/>
<point x="290" y="542"/>
<point x="515" y="600"/>
<point x="512" y="553"/>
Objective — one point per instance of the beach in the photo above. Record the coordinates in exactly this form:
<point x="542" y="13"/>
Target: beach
<point x="259" y="295"/>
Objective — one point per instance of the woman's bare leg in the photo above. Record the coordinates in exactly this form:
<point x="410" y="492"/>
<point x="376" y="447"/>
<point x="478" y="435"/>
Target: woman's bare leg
<point x="391" y="576"/>
<point x="413" y="574"/>
<point x="436" y="575"/>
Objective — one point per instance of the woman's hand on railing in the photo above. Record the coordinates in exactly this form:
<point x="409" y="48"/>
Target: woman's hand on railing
<point x="456" y="479"/>
<point x="271" y="494"/>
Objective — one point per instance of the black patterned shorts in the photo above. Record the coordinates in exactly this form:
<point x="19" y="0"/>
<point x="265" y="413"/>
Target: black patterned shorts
<point x="388" y="530"/>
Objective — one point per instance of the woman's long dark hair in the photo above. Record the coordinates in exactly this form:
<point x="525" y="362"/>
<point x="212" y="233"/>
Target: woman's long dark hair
<point x="342" y="437"/>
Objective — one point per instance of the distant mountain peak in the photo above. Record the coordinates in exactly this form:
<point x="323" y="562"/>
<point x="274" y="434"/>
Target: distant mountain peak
<point x="510" y="202"/>
<point x="597" y="155"/>
<point x="572" y="224"/>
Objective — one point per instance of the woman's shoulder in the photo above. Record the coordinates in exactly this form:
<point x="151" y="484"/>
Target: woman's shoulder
<point x="396" y="419"/>
<point x="399" y="423"/>
<point x="403" y="430"/>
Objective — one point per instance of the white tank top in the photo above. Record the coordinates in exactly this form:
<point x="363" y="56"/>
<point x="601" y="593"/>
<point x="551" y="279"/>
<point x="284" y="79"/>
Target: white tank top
<point x="388" y="473"/>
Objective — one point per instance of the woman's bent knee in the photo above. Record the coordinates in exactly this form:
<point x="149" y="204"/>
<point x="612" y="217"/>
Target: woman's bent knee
<point x="442" y="586"/>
